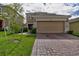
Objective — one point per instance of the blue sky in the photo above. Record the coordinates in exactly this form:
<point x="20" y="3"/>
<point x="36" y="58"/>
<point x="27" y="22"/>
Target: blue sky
<point x="58" y="8"/>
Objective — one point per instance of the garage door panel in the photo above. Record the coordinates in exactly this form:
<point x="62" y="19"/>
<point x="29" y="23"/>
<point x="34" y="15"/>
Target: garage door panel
<point x="50" y="27"/>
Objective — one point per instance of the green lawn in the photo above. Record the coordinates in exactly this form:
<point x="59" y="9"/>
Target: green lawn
<point x="75" y="34"/>
<point x="16" y="45"/>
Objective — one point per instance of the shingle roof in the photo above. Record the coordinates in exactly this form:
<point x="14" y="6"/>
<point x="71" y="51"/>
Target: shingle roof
<point x="46" y="14"/>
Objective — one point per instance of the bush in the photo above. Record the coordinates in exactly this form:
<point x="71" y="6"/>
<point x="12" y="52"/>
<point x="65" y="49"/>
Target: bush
<point x="14" y="28"/>
<point x="33" y="31"/>
<point x="1" y="29"/>
<point x="70" y="32"/>
<point x="25" y="29"/>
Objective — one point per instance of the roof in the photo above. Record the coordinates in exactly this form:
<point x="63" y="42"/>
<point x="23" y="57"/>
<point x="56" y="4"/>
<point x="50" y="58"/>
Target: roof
<point x="45" y="14"/>
<point x="74" y="20"/>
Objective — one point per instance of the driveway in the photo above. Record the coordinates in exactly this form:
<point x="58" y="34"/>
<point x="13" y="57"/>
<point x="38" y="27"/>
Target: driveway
<point x="56" y="45"/>
<point x="56" y="36"/>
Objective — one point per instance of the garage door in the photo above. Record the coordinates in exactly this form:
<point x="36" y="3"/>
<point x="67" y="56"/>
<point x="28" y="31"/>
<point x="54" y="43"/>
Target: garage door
<point x="50" y="27"/>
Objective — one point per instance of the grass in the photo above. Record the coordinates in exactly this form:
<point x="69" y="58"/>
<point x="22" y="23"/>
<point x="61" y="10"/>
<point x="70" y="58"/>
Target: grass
<point x="16" y="45"/>
<point x="76" y="34"/>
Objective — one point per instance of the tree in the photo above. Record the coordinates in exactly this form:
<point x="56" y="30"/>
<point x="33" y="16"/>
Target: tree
<point x="17" y="7"/>
<point x="13" y="18"/>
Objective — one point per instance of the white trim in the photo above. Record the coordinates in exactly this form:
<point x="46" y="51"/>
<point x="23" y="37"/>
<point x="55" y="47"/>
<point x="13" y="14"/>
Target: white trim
<point x="52" y="19"/>
<point x="66" y="26"/>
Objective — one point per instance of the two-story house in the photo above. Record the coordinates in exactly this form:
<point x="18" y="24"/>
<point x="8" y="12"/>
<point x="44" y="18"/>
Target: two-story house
<point x="47" y="22"/>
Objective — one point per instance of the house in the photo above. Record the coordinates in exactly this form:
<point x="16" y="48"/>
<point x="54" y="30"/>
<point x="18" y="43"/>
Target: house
<point x="47" y="22"/>
<point x="1" y="20"/>
<point x="31" y="18"/>
<point x="74" y="25"/>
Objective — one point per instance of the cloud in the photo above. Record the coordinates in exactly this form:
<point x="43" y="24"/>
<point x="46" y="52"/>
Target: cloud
<point x="58" y="8"/>
<point x="49" y="7"/>
<point x="75" y="8"/>
<point x="72" y="4"/>
<point x="33" y="7"/>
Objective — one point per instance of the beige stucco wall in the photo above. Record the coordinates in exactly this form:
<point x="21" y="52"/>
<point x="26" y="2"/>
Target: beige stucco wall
<point x="74" y="26"/>
<point x="55" y="19"/>
<point x="30" y="21"/>
<point x="35" y="25"/>
<point x="44" y="18"/>
<point x="50" y="27"/>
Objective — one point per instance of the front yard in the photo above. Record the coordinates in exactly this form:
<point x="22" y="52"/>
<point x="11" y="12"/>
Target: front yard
<point x="16" y="45"/>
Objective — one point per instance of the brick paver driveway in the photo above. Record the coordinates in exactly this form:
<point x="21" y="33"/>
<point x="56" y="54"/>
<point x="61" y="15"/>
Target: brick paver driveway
<point x="56" y="45"/>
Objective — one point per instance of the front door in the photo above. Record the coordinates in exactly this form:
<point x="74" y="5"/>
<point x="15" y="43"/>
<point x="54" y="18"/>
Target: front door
<point x="30" y="26"/>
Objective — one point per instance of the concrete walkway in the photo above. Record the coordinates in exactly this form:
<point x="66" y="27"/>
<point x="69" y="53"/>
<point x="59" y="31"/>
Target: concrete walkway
<point x="24" y="33"/>
<point x="56" y="47"/>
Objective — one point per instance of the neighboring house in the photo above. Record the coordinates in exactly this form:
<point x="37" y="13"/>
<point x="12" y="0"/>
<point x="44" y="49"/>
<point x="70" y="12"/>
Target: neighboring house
<point x="1" y="24"/>
<point x="47" y="22"/>
<point x="6" y="12"/>
<point x="1" y="20"/>
<point x="74" y="25"/>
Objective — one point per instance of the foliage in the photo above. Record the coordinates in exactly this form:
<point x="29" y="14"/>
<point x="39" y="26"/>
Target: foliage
<point x="76" y="34"/>
<point x="15" y="28"/>
<point x="13" y="19"/>
<point x="70" y="32"/>
<point x="1" y="29"/>
<point x="25" y="29"/>
<point x="33" y="31"/>
<point x="17" y="6"/>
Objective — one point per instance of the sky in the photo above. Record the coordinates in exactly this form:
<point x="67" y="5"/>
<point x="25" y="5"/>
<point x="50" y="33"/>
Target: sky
<point x="57" y="8"/>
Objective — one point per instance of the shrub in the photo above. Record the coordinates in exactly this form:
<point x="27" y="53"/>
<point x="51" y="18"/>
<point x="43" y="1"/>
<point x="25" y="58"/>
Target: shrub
<point x="1" y="29"/>
<point x="25" y="29"/>
<point x="70" y="32"/>
<point x="15" y="28"/>
<point x="33" y="31"/>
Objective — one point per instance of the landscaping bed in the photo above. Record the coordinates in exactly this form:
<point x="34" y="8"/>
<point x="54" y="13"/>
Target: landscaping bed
<point x="16" y="45"/>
